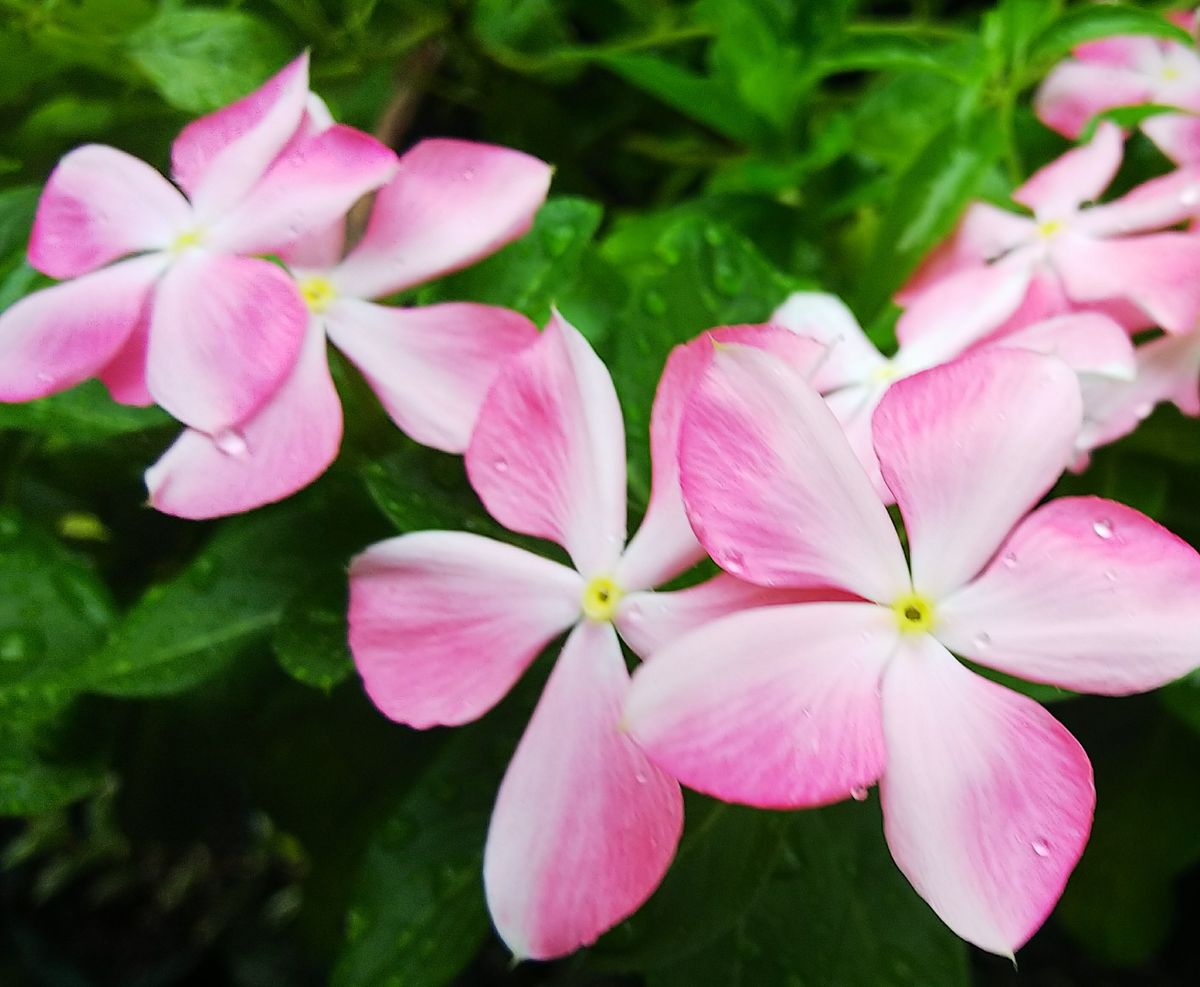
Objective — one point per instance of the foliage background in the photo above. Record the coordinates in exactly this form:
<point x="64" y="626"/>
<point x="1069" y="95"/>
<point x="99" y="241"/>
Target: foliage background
<point x="194" y="789"/>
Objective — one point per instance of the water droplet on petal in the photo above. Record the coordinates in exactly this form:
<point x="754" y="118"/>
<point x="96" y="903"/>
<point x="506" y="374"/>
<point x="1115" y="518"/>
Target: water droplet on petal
<point x="1040" y="848"/>
<point x="1110" y="575"/>
<point x="640" y="778"/>
<point x="1009" y="560"/>
<point x="468" y="174"/>
<point x="732" y="562"/>
<point x="500" y="465"/>
<point x="230" y="442"/>
<point x="859" y="793"/>
<point x="1103" y="528"/>
<point x="983" y="640"/>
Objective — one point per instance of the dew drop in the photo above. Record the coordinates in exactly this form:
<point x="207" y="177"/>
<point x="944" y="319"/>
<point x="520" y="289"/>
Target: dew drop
<point x="468" y="174"/>
<point x="640" y="778"/>
<point x="230" y="442"/>
<point x="1103" y="528"/>
<point x="500" y="465"/>
<point x="1009" y="560"/>
<point x="858" y="793"/>
<point x="732" y="562"/>
<point x="1040" y="848"/>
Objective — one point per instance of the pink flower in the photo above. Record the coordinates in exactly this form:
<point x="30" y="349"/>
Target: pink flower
<point x="987" y="799"/>
<point x="190" y="321"/>
<point x="450" y="203"/>
<point x="855" y="376"/>
<point x="1000" y="270"/>
<point x="1168" y="369"/>
<point x="443" y="623"/>
<point x="1128" y="71"/>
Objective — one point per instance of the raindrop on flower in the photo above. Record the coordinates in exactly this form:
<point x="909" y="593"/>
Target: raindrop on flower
<point x="500" y="465"/>
<point x="732" y="562"/>
<point x="858" y="793"/>
<point x="1039" y="847"/>
<point x="983" y="639"/>
<point x="230" y="442"/>
<point x="1103" y="528"/>
<point x="1009" y="560"/>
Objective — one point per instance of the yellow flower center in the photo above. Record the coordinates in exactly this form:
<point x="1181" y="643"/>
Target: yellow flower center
<point x="914" y="613"/>
<point x="887" y="372"/>
<point x="1169" y="73"/>
<point x="601" y="597"/>
<point x="1050" y="228"/>
<point x="318" y="293"/>
<point x="187" y="240"/>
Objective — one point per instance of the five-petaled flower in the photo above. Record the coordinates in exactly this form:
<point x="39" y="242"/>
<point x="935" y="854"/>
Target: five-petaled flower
<point x="450" y="203"/>
<point x="443" y="623"/>
<point x="191" y="322"/>
<point x="987" y="799"/>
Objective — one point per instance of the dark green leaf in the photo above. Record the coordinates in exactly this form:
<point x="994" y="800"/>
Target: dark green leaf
<point x="230" y="596"/>
<point x="199" y="60"/>
<point x="81" y="415"/>
<point x="836" y="911"/>
<point x="310" y="641"/>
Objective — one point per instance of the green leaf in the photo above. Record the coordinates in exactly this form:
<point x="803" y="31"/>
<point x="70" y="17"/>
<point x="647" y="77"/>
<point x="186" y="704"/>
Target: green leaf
<point x="724" y="861"/>
<point x="228" y="598"/>
<point x="1119" y="902"/>
<point x="418" y="915"/>
<point x="687" y="275"/>
<point x="29" y="786"/>
<point x="532" y="273"/>
<point x="200" y="60"/>
<point x="836" y="911"/>
<point x="54" y="611"/>
<point x="703" y="99"/>
<point x="1094" y="21"/>
<point x="83" y="414"/>
<point x="926" y="203"/>
<point x="311" y="640"/>
<point x="866" y="49"/>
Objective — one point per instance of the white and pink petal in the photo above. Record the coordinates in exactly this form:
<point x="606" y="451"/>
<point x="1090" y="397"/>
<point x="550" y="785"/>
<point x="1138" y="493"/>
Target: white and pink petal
<point x="584" y="825"/>
<point x="442" y="623"/>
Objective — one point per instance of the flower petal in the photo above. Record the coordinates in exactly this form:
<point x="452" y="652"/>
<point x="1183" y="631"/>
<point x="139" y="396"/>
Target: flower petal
<point x="100" y="204"/>
<point x="664" y="544"/>
<point x="125" y="374"/>
<point x="451" y="203"/>
<point x="962" y="309"/>
<point x="306" y="189"/>
<point x="547" y="456"/>
<point x="55" y="338"/>
<point x="851" y="357"/>
<point x="1086" y="594"/>
<point x="224" y="334"/>
<point x="288" y="443"/>
<point x="1075" y="91"/>
<point x="1168" y="369"/>
<point x="1156" y="272"/>
<point x="968" y="448"/>
<point x="772" y="488"/>
<point x="1076" y="177"/>
<point x="1177" y="135"/>
<point x="218" y="158"/>
<point x="584" y="825"/>
<point x="431" y="367"/>
<point x="442" y="623"/>
<point x="987" y="799"/>
<point x="776" y="707"/>
<point x="1153" y="205"/>
<point x="649" y="620"/>
<point x="984" y="234"/>
<point x="1088" y="342"/>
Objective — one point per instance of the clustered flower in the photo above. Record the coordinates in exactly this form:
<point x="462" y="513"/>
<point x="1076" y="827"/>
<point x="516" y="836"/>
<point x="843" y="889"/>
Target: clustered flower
<point x="823" y="659"/>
